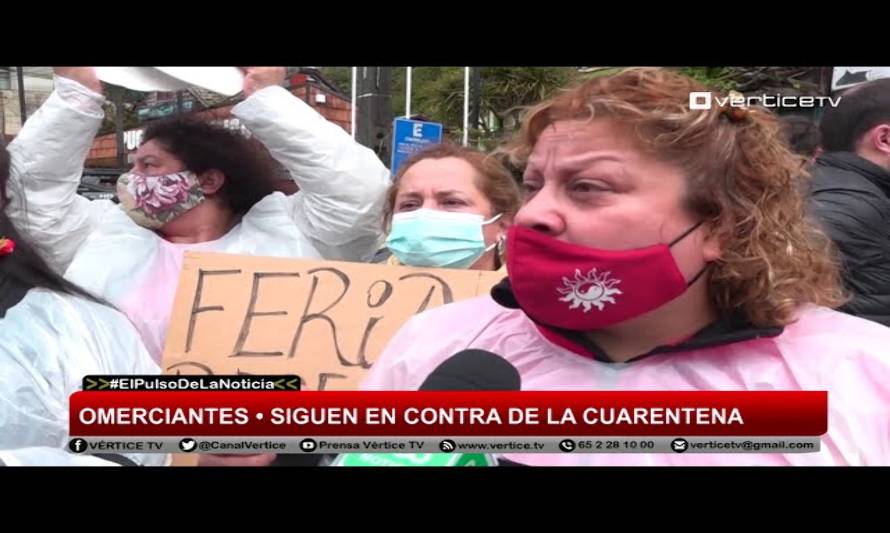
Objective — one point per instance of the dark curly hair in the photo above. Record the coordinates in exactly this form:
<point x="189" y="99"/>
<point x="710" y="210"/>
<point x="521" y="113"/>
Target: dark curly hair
<point x="250" y="171"/>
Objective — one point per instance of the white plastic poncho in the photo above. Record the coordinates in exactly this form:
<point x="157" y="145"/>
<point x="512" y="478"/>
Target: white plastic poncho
<point x="336" y="215"/>
<point x="48" y="343"/>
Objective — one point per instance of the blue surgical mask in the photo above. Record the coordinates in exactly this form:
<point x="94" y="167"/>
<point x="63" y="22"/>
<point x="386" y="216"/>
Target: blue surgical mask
<point x="442" y="239"/>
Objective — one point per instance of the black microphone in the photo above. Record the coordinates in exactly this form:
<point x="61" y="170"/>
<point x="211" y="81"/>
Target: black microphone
<point x="473" y="369"/>
<point x="467" y="370"/>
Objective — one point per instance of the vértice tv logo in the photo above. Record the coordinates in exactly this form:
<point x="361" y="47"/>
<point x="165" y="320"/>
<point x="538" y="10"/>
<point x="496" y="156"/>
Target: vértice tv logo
<point x="706" y="100"/>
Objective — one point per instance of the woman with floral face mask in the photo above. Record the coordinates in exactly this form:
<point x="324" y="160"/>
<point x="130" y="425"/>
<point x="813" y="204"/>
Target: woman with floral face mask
<point x="194" y="187"/>
<point x="665" y="248"/>
<point x="449" y="207"/>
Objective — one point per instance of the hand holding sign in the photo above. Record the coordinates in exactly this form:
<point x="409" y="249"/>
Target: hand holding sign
<point x="85" y="76"/>
<point x="256" y="78"/>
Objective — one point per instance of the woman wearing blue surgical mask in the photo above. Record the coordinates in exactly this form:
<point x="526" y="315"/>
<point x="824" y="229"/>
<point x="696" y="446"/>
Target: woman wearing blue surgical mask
<point x="449" y="207"/>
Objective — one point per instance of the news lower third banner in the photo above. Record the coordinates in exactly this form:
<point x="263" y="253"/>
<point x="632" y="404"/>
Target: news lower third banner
<point x="262" y="414"/>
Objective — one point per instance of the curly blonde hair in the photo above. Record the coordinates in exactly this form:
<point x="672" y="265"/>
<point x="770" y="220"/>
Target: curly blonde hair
<point x="742" y="179"/>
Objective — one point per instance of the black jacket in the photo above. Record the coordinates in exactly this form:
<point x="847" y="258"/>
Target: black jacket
<point x="851" y="198"/>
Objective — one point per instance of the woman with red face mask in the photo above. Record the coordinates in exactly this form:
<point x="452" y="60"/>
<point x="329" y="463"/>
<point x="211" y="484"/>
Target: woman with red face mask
<point x="664" y="248"/>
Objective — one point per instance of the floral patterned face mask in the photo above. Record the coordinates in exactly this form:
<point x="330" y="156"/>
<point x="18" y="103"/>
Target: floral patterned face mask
<point x="152" y="201"/>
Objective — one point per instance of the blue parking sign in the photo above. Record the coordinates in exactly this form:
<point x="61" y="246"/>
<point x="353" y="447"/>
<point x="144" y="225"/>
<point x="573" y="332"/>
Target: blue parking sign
<point x="410" y="137"/>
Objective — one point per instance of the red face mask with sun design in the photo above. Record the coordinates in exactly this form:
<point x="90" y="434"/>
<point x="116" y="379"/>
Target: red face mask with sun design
<point x="579" y="288"/>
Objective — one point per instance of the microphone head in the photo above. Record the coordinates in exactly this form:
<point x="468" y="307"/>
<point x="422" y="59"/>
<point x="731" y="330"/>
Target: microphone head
<point x="473" y="369"/>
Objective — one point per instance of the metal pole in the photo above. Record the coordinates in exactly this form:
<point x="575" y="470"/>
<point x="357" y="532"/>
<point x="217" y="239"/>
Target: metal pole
<point x="2" y="117"/>
<point x="117" y="98"/>
<point x="22" y="109"/>
<point x="374" y="115"/>
<point x="408" y="93"/>
<point x="475" y="97"/>
<point x="466" y="105"/>
<point x="354" y="108"/>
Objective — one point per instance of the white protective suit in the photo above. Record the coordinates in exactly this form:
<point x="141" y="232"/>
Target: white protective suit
<point x="48" y="342"/>
<point x="336" y="214"/>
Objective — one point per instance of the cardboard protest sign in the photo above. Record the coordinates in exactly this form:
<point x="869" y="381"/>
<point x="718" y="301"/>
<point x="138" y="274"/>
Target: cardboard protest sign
<point x="325" y="321"/>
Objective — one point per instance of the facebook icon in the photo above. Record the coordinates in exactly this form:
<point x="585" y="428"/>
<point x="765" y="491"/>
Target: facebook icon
<point x="77" y="445"/>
